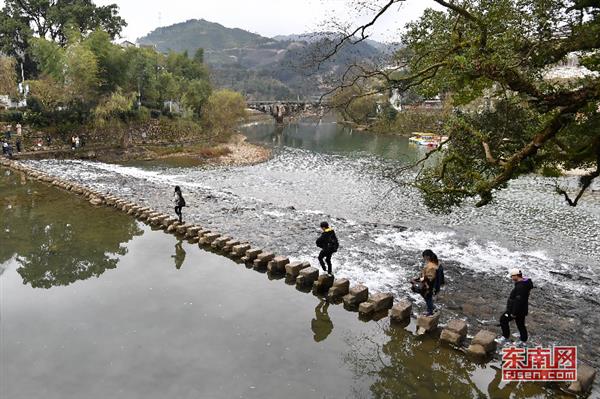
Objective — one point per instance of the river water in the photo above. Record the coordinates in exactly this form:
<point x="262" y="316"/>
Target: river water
<point x="97" y="305"/>
<point x="323" y="171"/>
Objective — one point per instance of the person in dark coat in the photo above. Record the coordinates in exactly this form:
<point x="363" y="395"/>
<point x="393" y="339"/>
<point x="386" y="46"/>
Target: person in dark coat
<point x="329" y="245"/>
<point x="517" y="307"/>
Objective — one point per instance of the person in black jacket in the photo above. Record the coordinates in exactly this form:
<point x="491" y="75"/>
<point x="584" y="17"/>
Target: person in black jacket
<point x="329" y="245"/>
<point x="517" y="307"/>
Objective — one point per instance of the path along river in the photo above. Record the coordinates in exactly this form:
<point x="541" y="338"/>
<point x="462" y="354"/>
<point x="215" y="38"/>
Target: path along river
<point x="323" y="171"/>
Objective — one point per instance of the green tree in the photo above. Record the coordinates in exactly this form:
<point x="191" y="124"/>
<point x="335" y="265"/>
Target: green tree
<point x="8" y="77"/>
<point x="117" y="105"/>
<point x="53" y="18"/>
<point x="181" y="65"/>
<point x="142" y="74"/>
<point x="22" y="20"/>
<point x="50" y="58"/>
<point x="199" y="56"/>
<point x="48" y="92"/>
<point x="111" y="60"/>
<point x="502" y="51"/>
<point x="223" y="110"/>
<point x="81" y="73"/>
<point x="196" y="94"/>
<point x="169" y="87"/>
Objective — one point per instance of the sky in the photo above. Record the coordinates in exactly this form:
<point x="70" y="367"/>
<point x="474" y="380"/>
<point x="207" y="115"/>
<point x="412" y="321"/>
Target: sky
<point x="267" y="18"/>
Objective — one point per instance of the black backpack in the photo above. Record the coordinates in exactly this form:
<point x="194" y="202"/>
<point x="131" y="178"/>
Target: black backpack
<point x="334" y="244"/>
<point x="440" y="280"/>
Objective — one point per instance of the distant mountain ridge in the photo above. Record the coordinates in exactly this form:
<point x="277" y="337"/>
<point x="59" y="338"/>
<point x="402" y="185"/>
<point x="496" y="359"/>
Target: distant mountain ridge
<point x="316" y="36"/>
<point x="261" y="67"/>
<point x="199" y="33"/>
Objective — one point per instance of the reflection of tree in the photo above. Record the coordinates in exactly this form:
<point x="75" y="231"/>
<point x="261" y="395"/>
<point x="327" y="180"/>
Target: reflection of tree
<point x="278" y="135"/>
<point x="57" y="238"/>
<point x="179" y="254"/>
<point x="321" y="325"/>
<point x="403" y="366"/>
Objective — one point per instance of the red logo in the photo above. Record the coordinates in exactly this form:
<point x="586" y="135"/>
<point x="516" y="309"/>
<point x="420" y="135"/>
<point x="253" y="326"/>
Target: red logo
<point x="558" y="363"/>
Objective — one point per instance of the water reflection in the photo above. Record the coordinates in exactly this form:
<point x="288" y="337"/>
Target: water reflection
<point x="404" y="366"/>
<point x="321" y="325"/>
<point x="332" y="138"/>
<point x="179" y="256"/>
<point x="277" y="137"/>
<point x="56" y="238"/>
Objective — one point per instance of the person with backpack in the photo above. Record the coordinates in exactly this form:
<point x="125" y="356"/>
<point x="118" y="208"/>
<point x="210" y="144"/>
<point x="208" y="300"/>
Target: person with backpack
<point x="179" y="203"/>
<point x="517" y="308"/>
<point x="329" y="245"/>
<point x="430" y="281"/>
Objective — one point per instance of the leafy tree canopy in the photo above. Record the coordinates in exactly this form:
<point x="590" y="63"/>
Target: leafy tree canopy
<point x="22" y="20"/>
<point x="503" y="52"/>
<point x="92" y="71"/>
<point x="223" y="110"/>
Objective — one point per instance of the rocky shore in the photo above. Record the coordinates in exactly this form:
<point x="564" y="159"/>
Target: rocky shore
<point x="235" y="152"/>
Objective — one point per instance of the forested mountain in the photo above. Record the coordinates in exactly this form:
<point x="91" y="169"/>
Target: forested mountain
<point x="261" y="67"/>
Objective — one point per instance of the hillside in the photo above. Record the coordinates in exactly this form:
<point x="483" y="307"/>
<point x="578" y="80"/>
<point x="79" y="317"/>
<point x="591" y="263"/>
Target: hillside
<point x="260" y="67"/>
<point x="194" y="34"/>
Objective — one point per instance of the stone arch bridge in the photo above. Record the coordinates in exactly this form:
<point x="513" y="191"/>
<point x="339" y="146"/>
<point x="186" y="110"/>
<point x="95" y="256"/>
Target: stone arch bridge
<point x="281" y="109"/>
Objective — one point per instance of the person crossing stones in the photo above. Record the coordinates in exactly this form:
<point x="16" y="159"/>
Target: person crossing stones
<point x="517" y="308"/>
<point x="179" y="203"/>
<point x="329" y="245"/>
<point x="430" y="281"/>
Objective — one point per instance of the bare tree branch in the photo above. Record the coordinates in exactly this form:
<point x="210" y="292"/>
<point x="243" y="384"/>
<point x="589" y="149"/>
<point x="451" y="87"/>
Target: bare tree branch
<point x="361" y="29"/>
<point x="585" y="181"/>
<point x="467" y="15"/>
<point x="489" y="156"/>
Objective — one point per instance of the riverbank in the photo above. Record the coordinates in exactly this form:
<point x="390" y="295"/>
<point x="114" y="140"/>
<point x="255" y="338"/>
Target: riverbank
<point x="235" y="151"/>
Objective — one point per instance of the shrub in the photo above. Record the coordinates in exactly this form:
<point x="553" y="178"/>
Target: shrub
<point x="11" y="116"/>
<point x="223" y="110"/>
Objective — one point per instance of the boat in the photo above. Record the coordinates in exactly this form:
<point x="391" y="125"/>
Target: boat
<point x="427" y="139"/>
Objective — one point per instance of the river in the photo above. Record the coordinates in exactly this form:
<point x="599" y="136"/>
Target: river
<point x="96" y="305"/>
<point x="323" y="171"/>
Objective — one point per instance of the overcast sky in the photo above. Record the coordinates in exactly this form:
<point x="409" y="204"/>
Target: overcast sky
<point x="268" y="18"/>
